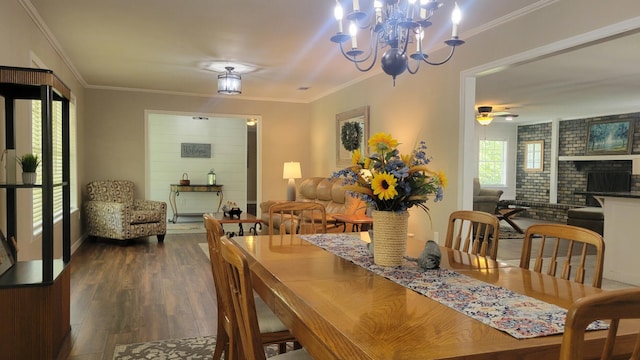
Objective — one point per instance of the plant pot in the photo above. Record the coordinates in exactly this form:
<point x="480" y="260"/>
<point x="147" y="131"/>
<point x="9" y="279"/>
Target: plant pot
<point x="29" y="178"/>
<point x="390" y="243"/>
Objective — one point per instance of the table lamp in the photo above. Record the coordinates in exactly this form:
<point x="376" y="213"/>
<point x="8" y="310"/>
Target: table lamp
<point x="291" y="171"/>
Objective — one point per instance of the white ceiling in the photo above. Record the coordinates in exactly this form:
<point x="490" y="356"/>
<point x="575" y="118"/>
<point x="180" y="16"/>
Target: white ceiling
<point x="163" y="45"/>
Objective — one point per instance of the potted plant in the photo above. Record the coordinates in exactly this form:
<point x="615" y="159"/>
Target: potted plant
<point x="29" y="163"/>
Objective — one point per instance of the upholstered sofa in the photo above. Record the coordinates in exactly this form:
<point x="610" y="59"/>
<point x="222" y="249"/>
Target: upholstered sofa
<point x="112" y="212"/>
<point x="329" y="193"/>
<point x="485" y="199"/>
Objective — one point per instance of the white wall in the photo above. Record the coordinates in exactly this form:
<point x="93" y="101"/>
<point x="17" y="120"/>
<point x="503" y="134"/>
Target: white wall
<point x="228" y="139"/>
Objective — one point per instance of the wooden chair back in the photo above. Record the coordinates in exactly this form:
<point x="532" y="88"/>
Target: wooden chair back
<point x="225" y="340"/>
<point x="611" y="305"/>
<point x="474" y="232"/>
<point x="239" y="279"/>
<point x="556" y="243"/>
<point x="298" y="218"/>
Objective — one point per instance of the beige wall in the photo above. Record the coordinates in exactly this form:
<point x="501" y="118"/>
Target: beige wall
<point x="115" y="127"/>
<point x="428" y="105"/>
<point x="423" y="106"/>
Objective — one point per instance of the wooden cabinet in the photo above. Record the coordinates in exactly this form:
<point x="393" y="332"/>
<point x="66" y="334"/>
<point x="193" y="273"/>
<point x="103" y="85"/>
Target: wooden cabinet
<point x="34" y="294"/>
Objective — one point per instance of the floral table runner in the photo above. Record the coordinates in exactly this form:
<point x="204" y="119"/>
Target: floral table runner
<point x="518" y="315"/>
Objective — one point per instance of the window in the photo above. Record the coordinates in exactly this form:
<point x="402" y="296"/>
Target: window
<point x="533" y="155"/>
<point x="492" y="162"/>
<point x="36" y="148"/>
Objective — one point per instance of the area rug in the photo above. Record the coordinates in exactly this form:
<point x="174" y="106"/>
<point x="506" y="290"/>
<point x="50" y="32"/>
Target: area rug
<point x="510" y="233"/>
<point x="183" y="349"/>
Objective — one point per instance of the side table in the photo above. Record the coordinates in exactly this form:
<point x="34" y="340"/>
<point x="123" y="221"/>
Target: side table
<point x="359" y="222"/>
<point x="243" y="219"/>
<point x="505" y="212"/>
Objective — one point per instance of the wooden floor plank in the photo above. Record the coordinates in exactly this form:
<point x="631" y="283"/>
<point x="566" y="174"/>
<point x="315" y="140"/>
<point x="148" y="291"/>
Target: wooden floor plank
<point x="141" y="291"/>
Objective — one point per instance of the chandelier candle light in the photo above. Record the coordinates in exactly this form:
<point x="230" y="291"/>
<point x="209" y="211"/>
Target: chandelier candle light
<point x="393" y="24"/>
<point x="391" y="183"/>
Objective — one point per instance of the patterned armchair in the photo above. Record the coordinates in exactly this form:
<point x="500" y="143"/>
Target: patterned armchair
<point x="112" y="212"/>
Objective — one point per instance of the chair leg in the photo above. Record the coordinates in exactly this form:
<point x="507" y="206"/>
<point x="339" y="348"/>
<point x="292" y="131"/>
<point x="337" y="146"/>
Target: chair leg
<point x="222" y="344"/>
<point x="161" y="238"/>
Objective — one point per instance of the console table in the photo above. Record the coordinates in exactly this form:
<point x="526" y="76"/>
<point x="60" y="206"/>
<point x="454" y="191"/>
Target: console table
<point x="176" y="189"/>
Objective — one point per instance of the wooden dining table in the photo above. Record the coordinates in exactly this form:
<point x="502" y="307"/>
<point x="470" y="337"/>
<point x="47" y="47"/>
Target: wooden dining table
<point x="340" y="310"/>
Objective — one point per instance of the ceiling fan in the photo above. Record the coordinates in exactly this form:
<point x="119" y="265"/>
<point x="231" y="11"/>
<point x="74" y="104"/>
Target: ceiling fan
<point x="485" y="115"/>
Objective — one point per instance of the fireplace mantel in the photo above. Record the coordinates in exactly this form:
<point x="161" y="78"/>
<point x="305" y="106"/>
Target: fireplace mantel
<point x="600" y="157"/>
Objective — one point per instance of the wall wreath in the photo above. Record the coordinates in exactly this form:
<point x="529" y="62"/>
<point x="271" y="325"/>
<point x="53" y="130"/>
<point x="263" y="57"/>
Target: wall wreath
<point x="351" y="135"/>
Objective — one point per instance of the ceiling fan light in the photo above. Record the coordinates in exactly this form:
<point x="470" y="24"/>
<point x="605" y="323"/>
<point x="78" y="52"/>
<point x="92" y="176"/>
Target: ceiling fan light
<point x="229" y="83"/>
<point x="484" y="119"/>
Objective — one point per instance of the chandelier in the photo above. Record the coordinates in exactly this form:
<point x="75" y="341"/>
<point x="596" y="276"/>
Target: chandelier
<point x="392" y="24"/>
<point x="229" y="82"/>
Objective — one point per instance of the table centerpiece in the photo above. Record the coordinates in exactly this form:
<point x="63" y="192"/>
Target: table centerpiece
<point x="391" y="183"/>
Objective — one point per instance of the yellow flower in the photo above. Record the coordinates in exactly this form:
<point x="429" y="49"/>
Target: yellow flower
<point x="381" y="142"/>
<point x="384" y="186"/>
<point x="443" y="179"/>
<point x="406" y="158"/>
<point x="367" y="163"/>
<point x="356" y="156"/>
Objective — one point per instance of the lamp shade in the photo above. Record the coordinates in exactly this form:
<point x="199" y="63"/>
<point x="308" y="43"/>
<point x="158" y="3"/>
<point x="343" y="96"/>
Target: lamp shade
<point x="229" y="83"/>
<point x="291" y="170"/>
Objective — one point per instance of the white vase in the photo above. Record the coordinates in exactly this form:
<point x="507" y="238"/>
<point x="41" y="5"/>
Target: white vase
<point x="29" y="178"/>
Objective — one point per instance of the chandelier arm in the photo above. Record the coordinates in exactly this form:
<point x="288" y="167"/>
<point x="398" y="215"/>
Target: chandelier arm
<point x="352" y="58"/>
<point x="413" y="72"/>
<point x="375" y="55"/>
<point x="453" y="48"/>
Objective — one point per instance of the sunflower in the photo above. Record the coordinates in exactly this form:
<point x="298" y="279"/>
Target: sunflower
<point x="384" y="186"/>
<point x="382" y="142"/>
<point x="443" y="179"/>
<point x="356" y="157"/>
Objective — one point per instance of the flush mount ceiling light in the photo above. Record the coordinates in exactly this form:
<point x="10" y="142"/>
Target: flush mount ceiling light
<point x="484" y="116"/>
<point x="229" y="78"/>
<point x="229" y="82"/>
<point x="393" y="24"/>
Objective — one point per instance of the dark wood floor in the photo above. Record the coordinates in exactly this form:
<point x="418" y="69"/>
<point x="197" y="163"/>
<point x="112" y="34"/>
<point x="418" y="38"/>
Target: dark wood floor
<point x="138" y="292"/>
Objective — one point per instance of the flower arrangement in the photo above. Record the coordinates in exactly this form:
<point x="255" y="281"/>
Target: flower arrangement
<point x="390" y="181"/>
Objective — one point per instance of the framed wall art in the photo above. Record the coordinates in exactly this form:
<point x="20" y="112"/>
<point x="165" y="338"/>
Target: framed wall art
<point x="610" y="137"/>
<point x="193" y="150"/>
<point x="352" y="132"/>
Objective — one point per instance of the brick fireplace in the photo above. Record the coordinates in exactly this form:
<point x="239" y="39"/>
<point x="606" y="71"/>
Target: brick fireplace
<point x="572" y="175"/>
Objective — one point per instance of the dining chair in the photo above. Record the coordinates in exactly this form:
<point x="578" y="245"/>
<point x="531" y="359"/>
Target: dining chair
<point x="562" y="239"/>
<point x="272" y="330"/>
<point x="298" y="217"/>
<point x="475" y="232"/>
<point x="611" y="305"/>
<point x="240" y="286"/>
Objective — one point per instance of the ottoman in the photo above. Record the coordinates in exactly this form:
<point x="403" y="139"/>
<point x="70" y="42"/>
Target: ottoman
<point x="591" y="218"/>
